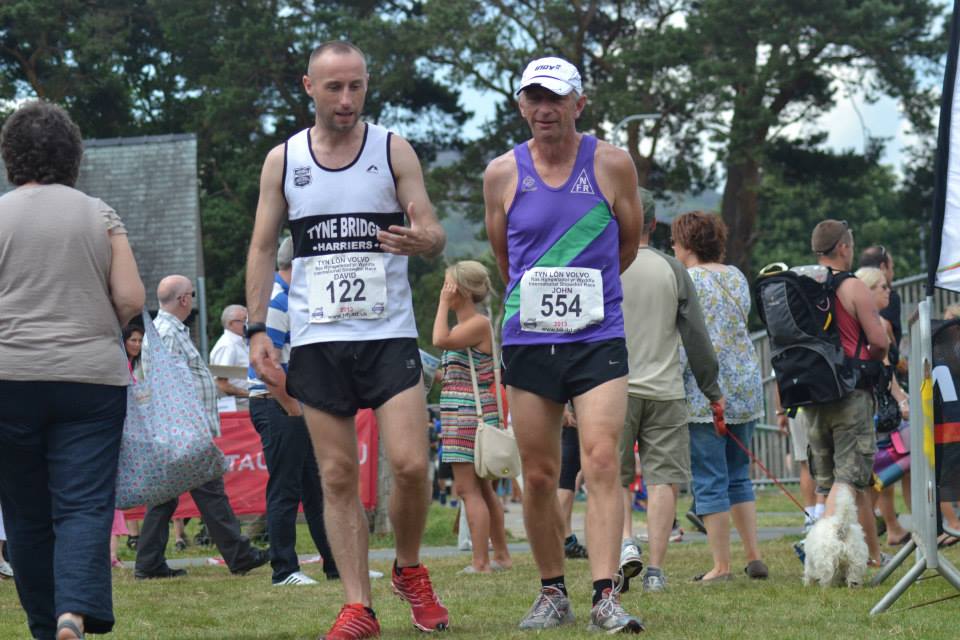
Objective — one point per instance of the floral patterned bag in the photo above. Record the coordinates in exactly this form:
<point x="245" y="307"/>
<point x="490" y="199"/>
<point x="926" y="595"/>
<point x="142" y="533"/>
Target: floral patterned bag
<point x="167" y="448"/>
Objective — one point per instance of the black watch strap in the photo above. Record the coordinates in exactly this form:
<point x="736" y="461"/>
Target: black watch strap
<point x="253" y="328"/>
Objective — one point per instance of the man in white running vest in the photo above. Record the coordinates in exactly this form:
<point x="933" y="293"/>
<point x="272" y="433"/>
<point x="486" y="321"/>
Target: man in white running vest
<point x="345" y="186"/>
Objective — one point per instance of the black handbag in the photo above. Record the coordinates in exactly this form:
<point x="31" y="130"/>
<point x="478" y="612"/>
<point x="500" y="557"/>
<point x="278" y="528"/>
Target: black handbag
<point x="887" y="417"/>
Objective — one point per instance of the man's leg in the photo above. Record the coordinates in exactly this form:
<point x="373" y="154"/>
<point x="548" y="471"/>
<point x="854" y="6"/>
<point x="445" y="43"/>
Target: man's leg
<point x="536" y="423"/>
<point x="154" y="534"/>
<point x="283" y="452"/>
<point x="601" y="412"/>
<point x="661" y="511"/>
<point x="335" y="446"/>
<point x="401" y="420"/>
<point x="311" y="493"/>
<point x="566" y="498"/>
<point x="223" y="526"/>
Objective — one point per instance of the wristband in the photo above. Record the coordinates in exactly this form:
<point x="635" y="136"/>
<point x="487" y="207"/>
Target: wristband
<point x="902" y="402"/>
<point x="254" y="328"/>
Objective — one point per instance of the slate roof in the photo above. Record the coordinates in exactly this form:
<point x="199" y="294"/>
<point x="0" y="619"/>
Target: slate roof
<point x="151" y="181"/>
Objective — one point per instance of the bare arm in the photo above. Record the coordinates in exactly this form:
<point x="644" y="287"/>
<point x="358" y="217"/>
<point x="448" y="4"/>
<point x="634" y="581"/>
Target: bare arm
<point x="261" y="260"/>
<point x="475" y="332"/>
<point x="228" y="389"/>
<point x="617" y="176"/>
<point x="126" y="288"/>
<point x="500" y="173"/>
<point x="425" y="236"/>
<point x="866" y="313"/>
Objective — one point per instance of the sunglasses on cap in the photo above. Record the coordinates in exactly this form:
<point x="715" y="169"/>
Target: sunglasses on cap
<point x="834" y="245"/>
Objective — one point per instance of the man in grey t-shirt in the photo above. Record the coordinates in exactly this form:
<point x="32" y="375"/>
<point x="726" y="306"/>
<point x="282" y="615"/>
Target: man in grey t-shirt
<point x="660" y="311"/>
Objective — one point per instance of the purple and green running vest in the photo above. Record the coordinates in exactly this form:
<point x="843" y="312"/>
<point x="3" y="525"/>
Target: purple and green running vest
<point x="568" y="226"/>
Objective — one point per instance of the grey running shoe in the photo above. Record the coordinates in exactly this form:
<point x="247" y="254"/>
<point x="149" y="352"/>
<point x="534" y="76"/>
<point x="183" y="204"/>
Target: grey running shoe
<point x="550" y="609"/>
<point x="630" y="563"/>
<point x="609" y="616"/>
<point x="654" y="581"/>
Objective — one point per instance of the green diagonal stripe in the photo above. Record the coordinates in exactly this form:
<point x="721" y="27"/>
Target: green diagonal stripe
<point x="564" y="250"/>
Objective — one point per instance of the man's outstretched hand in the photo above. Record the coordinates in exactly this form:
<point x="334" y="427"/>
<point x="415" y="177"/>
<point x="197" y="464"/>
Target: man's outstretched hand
<point x="417" y="239"/>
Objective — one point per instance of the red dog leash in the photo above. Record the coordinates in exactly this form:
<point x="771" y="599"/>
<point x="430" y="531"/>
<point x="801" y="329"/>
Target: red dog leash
<point x="720" y="425"/>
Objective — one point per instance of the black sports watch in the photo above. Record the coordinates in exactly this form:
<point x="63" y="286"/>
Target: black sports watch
<point x="253" y="328"/>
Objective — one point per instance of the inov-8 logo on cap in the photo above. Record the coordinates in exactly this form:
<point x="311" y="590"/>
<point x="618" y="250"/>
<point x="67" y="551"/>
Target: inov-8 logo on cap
<point x="554" y="74"/>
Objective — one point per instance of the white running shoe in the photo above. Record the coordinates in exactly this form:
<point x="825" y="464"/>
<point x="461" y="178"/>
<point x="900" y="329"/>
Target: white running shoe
<point x="296" y="578"/>
<point x="5" y="569"/>
<point x="630" y="561"/>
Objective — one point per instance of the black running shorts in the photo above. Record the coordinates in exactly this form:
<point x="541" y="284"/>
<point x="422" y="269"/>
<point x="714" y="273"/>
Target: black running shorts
<point x="341" y="377"/>
<point x="560" y="372"/>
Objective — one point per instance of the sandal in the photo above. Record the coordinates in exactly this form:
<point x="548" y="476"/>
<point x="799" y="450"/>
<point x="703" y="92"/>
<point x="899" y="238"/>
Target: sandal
<point x="72" y="627"/>
<point x="757" y="570"/>
<point x="901" y="540"/>
<point x="723" y="577"/>
<point x="882" y="562"/>
<point x="946" y="540"/>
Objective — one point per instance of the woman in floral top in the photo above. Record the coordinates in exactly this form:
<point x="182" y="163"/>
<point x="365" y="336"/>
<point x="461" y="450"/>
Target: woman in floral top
<point x="721" y="470"/>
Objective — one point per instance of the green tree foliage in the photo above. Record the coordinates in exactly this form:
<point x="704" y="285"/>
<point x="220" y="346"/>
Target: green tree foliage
<point x="804" y="184"/>
<point x="726" y="78"/>
<point x="727" y="75"/>
<point x="230" y="71"/>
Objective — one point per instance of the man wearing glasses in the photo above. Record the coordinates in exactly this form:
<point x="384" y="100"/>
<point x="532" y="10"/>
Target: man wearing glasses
<point x="231" y="350"/>
<point x="175" y="295"/>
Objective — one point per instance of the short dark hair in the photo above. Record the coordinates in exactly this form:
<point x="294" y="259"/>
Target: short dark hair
<point x="875" y="256"/>
<point x="705" y="234"/>
<point x="342" y="47"/>
<point x="40" y="143"/>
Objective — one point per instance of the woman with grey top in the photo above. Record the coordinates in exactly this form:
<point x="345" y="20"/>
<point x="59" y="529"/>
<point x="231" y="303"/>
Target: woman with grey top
<point x="68" y="282"/>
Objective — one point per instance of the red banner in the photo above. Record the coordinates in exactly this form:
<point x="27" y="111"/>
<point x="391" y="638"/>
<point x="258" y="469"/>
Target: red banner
<point x="246" y="480"/>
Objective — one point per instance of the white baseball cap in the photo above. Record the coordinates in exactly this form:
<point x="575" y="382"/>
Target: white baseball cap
<point x="554" y="74"/>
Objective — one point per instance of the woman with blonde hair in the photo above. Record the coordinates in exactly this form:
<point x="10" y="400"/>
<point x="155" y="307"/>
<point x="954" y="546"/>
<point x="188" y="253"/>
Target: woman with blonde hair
<point x="466" y="290"/>
<point x="877" y="283"/>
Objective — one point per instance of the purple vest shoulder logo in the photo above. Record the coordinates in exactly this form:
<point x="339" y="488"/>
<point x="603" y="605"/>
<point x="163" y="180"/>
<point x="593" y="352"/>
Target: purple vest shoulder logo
<point x="528" y="184"/>
<point x="301" y="176"/>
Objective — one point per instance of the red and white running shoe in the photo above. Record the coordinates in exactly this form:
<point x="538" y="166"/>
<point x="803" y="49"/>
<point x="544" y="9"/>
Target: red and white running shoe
<point x="354" y="622"/>
<point x="413" y="585"/>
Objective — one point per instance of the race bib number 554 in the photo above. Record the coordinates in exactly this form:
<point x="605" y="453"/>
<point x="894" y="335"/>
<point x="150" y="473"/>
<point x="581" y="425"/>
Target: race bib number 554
<point x="346" y="286"/>
<point x="560" y="299"/>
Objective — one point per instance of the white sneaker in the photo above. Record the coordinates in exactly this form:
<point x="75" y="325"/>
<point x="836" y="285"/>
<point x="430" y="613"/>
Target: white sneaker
<point x="375" y="574"/>
<point x="5" y="569"/>
<point x="296" y="578"/>
<point x="630" y="562"/>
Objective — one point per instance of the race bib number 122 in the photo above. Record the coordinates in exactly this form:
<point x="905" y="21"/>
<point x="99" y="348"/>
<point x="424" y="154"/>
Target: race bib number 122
<point x="560" y="299"/>
<point x="346" y="286"/>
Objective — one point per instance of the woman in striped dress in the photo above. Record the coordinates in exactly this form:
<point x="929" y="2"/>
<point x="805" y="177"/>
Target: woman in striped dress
<point x="466" y="290"/>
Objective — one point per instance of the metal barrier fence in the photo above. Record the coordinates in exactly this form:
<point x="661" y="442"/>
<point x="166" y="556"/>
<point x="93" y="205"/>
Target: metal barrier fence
<point x="769" y="445"/>
<point x="771" y="448"/>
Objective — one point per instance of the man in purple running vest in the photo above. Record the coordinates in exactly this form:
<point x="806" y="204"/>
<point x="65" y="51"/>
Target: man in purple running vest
<point x="563" y="216"/>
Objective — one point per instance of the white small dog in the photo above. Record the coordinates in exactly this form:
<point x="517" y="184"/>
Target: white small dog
<point x="836" y="549"/>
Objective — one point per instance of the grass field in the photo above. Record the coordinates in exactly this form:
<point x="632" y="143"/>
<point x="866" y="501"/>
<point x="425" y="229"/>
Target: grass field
<point x="212" y="604"/>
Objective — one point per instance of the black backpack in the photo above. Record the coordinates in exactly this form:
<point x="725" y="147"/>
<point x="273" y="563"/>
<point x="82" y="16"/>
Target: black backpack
<point x="798" y="313"/>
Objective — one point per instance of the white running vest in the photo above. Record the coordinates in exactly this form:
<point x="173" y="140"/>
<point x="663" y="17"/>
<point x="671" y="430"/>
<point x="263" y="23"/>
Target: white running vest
<point x="344" y="286"/>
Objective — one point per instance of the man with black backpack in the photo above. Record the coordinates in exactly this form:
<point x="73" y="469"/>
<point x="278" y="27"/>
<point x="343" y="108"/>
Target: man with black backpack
<point x="842" y="441"/>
